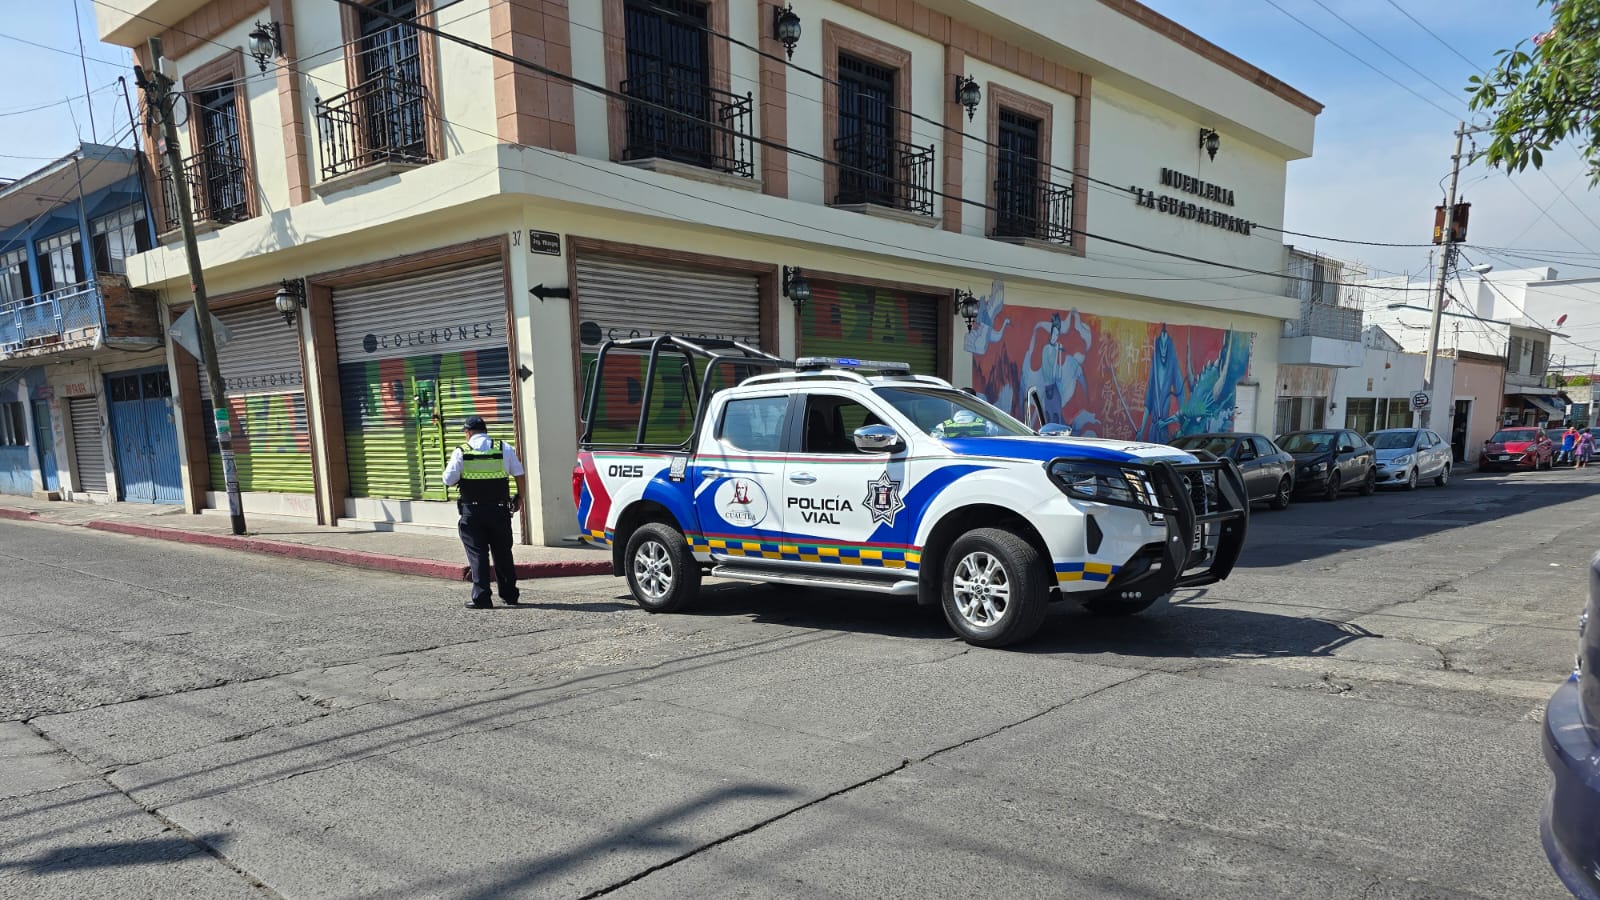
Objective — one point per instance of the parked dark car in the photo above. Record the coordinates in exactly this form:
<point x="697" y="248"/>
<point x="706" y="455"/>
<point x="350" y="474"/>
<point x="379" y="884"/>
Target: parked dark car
<point x="1268" y="471"/>
<point x="1516" y="448"/>
<point x="1331" y="460"/>
<point x="1570" y="825"/>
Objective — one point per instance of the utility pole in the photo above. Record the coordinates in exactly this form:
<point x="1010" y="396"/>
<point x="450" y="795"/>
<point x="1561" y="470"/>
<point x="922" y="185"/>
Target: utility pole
<point x="157" y="88"/>
<point x="1446" y="260"/>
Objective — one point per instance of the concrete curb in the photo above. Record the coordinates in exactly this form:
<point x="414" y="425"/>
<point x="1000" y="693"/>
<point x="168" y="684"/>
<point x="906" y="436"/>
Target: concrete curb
<point x="425" y="568"/>
<point x="21" y="515"/>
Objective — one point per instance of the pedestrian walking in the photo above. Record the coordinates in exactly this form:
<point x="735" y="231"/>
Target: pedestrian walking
<point x="1585" y="447"/>
<point x="483" y="469"/>
<point x="1569" y="444"/>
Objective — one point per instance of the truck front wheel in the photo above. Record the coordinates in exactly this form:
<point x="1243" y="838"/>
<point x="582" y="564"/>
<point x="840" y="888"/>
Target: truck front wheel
<point x="662" y="573"/>
<point x="993" y="590"/>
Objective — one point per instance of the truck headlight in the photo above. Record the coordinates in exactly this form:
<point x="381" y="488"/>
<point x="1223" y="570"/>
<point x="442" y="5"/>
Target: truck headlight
<point x="1094" y="481"/>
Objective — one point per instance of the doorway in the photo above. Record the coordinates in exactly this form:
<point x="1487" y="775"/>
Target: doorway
<point x="1458" y="429"/>
<point x="44" y="440"/>
<point x="145" y="437"/>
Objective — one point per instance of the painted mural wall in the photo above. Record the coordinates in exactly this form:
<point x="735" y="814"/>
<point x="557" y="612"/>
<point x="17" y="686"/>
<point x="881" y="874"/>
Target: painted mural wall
<point x="1106" y="376"/>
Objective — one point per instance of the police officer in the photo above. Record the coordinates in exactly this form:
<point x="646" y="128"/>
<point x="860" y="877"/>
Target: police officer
<point x="483" y="469"/>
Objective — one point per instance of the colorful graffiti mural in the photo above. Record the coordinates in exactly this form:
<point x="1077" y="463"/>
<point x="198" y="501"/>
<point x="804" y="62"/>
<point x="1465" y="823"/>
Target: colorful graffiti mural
<point x="271" y="443"/>
<point x="1103" y="376"/>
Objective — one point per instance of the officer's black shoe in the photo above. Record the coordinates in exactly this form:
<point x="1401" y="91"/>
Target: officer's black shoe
<point x="471" y="605"/>
<point x="514" y="601"/>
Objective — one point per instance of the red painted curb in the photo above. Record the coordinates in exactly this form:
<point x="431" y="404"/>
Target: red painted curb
<point x="404" y="565"/>
<point x="25" y="515"/>
<point x="426" y="568"/>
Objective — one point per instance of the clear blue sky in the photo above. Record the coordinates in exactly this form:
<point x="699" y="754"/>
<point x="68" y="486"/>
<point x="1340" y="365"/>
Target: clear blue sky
<point x="1381" y="151"/>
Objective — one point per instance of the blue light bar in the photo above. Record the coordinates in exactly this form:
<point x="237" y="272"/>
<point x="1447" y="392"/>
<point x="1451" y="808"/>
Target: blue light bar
<point x="813" y="363"/>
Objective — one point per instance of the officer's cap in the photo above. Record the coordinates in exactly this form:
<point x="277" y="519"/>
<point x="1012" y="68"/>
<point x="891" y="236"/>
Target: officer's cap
<point x="475" y="423"/>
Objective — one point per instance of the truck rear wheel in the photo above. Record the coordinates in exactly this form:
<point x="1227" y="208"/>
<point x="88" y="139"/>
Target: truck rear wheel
<point x="993" y="588"/>
<point x="662" y="573"/>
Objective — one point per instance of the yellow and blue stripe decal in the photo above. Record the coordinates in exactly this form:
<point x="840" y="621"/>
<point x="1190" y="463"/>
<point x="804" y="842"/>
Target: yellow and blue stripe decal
<point x="598" y="536"/>
<point x="1084" y="571"/>
<point x="837" y="554"/>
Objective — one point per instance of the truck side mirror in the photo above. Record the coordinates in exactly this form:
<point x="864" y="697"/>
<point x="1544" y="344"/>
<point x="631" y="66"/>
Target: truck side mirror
<point x="1055" y="429"/>
<point x="877" y="439"/>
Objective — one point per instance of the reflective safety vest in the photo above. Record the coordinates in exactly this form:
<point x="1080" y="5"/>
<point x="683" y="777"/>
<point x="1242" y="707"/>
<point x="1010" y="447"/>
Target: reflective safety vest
<point x="483" y="475"/>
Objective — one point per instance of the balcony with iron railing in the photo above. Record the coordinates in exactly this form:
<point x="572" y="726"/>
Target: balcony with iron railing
<point x="1032" y="209"/>
<point x="376" y="128"/>
<point x="675" y="123"/>
<point x="66" y="316"/>
<point x="218" y="186"/>
<point x="878" y="173"/>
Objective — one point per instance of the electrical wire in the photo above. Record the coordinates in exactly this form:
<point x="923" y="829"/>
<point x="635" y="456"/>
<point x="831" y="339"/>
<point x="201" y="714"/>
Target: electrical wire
<point x="606" y="92"/>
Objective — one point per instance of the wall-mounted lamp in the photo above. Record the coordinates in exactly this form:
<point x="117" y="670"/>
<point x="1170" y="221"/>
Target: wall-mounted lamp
<point x="968" y="94"/>
<point x="786" y="28"/>
<point x="1332" y="406"/>
<point x="795" y="286"/>
<point x="290" y="297"/>
<point x="266" y="42"/>
<point x="967" y="307"/>
<point x="1210" y="142"/>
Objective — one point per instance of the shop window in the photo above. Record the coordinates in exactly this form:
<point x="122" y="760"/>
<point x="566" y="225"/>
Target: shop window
<point x="15" y="278"/>
<point x="117" y="237"/>
<point x="1361" y="414"/>
<point x="1394" y="412"/>
<point x="13" y="425"/>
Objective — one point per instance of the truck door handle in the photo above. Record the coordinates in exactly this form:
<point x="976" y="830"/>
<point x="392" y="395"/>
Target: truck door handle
<point x="712" y="473"/>
<point x="803" y="478"/>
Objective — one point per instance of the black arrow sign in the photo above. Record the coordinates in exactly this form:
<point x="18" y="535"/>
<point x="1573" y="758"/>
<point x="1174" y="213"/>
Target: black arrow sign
<point x="542" y="292"/>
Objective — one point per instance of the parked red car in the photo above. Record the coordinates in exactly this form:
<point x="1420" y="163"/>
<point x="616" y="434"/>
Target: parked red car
<point x="1517" y="448"/>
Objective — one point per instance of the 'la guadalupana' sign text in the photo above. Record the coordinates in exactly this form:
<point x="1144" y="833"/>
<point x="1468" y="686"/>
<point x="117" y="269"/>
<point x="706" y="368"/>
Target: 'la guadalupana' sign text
<point x="1183" y="209"/>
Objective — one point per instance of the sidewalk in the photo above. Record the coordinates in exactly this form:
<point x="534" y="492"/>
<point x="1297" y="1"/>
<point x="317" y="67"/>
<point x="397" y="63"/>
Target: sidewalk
<point x="426" y="555"/>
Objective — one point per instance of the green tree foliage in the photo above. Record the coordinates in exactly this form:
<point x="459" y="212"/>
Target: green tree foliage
<point x="1545" y="91"/>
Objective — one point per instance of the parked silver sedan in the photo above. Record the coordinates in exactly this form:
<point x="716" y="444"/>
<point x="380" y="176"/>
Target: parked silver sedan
<point x="1408" y="455"/>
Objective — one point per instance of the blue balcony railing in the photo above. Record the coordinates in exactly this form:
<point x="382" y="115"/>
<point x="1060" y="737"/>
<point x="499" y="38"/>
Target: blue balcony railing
<point x="49" y="318"/>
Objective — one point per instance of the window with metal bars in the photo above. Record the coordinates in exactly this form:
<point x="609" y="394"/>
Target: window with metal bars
<point x="866" y="144"/>
<point x="222" y="189"/>
<point x="389" y="63"/>
<point x="1017" y="198"/>
<point x="669" y="82"/>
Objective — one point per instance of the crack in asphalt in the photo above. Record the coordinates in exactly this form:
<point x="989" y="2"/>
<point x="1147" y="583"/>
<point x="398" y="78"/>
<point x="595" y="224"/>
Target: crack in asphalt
<point x="168" y="824"/>
<point x="839" y="792"/>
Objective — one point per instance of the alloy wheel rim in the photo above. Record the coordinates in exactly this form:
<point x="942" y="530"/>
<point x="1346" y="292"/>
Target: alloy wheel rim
<point x="982" y="589"/>
<point x="652" y="570"/>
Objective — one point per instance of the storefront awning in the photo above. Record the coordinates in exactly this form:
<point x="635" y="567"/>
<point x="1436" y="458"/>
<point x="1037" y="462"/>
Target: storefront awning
<point x="1551" y="406"/>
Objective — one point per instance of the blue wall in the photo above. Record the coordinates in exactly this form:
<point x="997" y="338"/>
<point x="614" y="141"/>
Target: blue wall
<point x="18" y="464"/>
<point x="107" y="200"/>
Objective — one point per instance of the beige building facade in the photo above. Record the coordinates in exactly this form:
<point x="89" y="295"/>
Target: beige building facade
<point x="466" y="230"/>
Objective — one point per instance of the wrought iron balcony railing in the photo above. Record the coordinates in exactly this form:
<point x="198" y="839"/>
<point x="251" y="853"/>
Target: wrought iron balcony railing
<point x="706" y="127"/>
<point x="385" y="120"/>
<point x="1033" y="208"/>
<point x="51" y="317"/>
<point x="218" y="189"/>
<point x="884" y="172"/>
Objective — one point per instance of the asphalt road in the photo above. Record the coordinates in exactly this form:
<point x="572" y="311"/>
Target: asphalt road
<point x="1354" y="714"/>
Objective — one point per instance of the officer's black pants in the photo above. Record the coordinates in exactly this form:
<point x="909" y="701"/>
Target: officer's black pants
<point x="486" y="531"/>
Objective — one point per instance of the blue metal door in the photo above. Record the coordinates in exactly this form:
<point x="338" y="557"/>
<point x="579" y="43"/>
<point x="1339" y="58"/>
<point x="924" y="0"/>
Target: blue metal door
<point x="145" y="437"/>
<point x="44" y="439"/>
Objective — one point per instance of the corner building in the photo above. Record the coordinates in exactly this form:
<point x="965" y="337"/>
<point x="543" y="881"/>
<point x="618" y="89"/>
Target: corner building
<point x="989" y="191"/>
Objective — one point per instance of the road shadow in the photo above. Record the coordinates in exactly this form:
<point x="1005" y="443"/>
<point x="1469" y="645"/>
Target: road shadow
<point x="1314" y="529"/>
<point x="161" y="850"/>
<point x="1186" y="626"/>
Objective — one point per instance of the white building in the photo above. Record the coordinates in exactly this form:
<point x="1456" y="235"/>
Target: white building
<point x="420" y="190"/>
<point x="1485" y="314"/>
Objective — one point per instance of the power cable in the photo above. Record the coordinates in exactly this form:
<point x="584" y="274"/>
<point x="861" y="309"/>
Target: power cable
<point x="1442" y="41"/>
<point x="717" y="127"/>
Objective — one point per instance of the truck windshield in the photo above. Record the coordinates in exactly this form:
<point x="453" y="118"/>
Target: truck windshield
<point x="948" y="414"/>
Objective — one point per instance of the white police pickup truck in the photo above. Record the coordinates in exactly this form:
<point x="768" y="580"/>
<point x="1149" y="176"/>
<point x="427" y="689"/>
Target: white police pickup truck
<point x="854" y="475"/>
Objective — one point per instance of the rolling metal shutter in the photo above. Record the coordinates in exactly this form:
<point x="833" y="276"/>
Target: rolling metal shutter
<point x="623" y="298"/>
<point x="871" y="323"/>
<point x="88" y="445"/>
<point x="261" y="372"/>
<point x="417" y="355"/>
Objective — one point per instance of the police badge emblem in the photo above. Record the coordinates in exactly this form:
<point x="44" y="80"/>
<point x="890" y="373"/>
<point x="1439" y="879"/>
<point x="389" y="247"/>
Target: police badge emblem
<point x="883" y="499"/>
